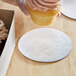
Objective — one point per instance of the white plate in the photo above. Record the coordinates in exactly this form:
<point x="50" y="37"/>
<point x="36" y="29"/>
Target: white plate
<point x="69" y="8"/>
<point x="45" y="45"/>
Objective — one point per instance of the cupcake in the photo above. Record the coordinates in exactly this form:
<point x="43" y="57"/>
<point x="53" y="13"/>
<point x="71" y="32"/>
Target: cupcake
<point x="43" y="12"/>
<point x="3" y="31"/>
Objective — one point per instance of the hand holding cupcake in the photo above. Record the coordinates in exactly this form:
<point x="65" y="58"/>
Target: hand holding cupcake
<point x="42" y="12"/>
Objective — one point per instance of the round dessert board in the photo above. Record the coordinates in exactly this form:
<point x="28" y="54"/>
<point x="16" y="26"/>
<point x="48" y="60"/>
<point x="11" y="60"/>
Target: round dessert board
<point x="68" y="8"/>
<point x="45" y="45"/>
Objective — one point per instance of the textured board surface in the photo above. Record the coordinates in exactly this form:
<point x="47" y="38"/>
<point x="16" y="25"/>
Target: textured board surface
<point x="69" y="8"/>
<point x="45" y="45"/>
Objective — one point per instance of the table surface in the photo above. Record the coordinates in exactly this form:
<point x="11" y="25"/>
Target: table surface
<point x="21" y="66"/>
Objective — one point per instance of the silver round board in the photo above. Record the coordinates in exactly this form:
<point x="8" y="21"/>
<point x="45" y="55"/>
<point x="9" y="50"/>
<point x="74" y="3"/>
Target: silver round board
<point x="45" y="45"/>
<point x="68" y="8"/>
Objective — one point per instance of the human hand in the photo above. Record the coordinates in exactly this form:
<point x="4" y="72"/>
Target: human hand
<point x="20" y="3"/>
<point x="22" y="6"/>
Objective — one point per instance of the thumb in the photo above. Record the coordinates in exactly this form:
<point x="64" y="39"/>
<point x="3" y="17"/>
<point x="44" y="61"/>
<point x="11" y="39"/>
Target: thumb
<point x="22" y="6"/>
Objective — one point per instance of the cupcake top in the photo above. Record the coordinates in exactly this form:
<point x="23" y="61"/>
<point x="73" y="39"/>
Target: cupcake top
<point x="3" y="31"/>
<point x="43" y="5"/>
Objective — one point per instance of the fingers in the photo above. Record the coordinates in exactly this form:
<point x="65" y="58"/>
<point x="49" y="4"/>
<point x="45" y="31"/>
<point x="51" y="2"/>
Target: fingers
<point x="24" y="9"/>
<point x="22" y="6"/>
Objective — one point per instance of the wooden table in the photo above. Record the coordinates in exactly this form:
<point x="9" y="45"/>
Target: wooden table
<point x="21" y="66"/>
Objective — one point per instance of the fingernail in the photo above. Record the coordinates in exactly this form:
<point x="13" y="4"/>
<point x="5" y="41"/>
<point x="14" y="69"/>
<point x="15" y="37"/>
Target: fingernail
<point x="19" y="1"/>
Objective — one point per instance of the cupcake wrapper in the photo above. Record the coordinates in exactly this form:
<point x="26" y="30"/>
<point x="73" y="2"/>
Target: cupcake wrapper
<point x="43" y="21"/>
